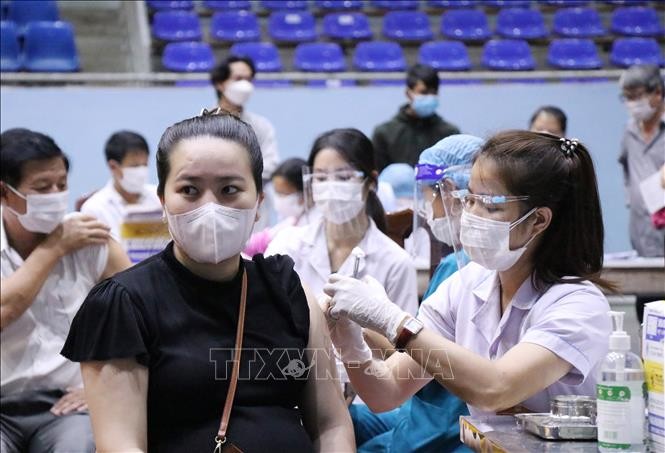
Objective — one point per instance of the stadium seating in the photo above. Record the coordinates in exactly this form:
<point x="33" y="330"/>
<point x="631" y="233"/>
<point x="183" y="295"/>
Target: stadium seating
<point x="636" y="21"/>
<point x="465" y="24"/>
<point x="225" y="5"/>
<point x="578" y="23"/>
<point x="572" y="53"/>
<point x="448" y="4"/>
<point x="235" y="26"/>
<point x="23" y="12"/>
<point x="379" y="56"/>
<point x="188" y="57"/>
<point x="337" y="5"/>
<point x="319" y="57"/>
<point x="629" y="51"/>
<point x="395" y="4"/>
<point x="507" y="3"/>
<point x="264" y="55"/>
<point x="50" y="47"/>
<point x="281" y="5"/>
<point x="351" y="26"/>
<point x="159" y="5"/>
<point x="292" y="26"/>
<point x="407" y="26"/>
<point x="518" y="23"/>
<point x="176" y="26"/>
<point x="10" y="51"/>
<point x="508" y="55"/>
<point x="567" y="3"/>
<point x="445" y="55"/>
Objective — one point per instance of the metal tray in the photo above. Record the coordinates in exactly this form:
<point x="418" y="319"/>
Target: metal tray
<point x="557" y="428"/>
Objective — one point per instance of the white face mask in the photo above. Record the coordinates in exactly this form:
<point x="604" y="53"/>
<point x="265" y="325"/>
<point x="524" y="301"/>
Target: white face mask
<point x="442" y="228"/>
<point x="134" y="178"/>
<point x="44" y="212"/>
<point x="338" y="201"/>
<point x="640" y="109"/>
<point x="212" y="233"/>
<point x="487" y="241"/>
<point x="288" y="205"/>
<point x="238" y="92"/>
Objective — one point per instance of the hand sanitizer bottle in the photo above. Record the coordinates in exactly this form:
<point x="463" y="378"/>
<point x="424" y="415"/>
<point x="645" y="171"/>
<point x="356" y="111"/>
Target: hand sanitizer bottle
<point x="620" y="395"/>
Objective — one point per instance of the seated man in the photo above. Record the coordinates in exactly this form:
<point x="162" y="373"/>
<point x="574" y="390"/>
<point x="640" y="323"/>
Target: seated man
<point x="48" y="262"/>
<point x="127" y="157"/>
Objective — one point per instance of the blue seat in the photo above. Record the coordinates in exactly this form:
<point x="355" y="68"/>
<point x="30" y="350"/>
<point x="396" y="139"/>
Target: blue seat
<point x="161" y="5"/>
<point x="636" y="21"/>
<point x="507" y="3"/>
<point x="567" y="3"/>
<point x="448" y="4"/>
<point x="445" y="55"/>
<point x="578" y="23"/>
<point x="337" y="5"/>
<point x="407" y="26"/>
<point x="176" y="26"/>
<point x="292" y="26"/>
<point x="630" y="51"/>
<point x="508" y="55"/>
<point x="235" y="26"/>
<point x="188" y="57"/>
<point x="572" y="53"/>
<point x="50" y="47"/>
<point x="379" y="56"/>
<point x="225" y="5"/>
<point x="520" y="23"/>
<point x="281" y="5"/>
<point x="4" y="9"/>
<point x="466" y="24"/>
<point x="319" y="57"/>
<point x="395" y="4"/>
<point x="22" y="12"/>
<point x="264" y="55"/>
<point x="10" y="51"/>
<point x="347" y="26"/>
<point x="625" y="2"/>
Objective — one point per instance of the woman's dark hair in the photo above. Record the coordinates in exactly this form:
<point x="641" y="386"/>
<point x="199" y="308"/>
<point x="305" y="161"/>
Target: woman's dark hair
<point x="291" y="170"/>
<point x="535" y="164"/>
<point x="556" y="112"/>
<point x="357" y="150"/>
<point x="210" y="124"/>
<point x="18" y="146"/>
<point x="121" y="142"/>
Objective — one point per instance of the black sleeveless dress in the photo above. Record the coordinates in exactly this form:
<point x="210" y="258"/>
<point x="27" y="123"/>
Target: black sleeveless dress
<point x="182" y="328"/>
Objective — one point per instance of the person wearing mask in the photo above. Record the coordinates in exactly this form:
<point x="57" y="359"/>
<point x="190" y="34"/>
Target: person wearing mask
<point x="343" y="181"/>
<point x="549" y="119"/>
<point x="417" y="125"/>
<point x="428" y="421"/>
<point x="643" y="151"/>
<point x="127" y="158"/>
<point x="524" y="320"/>
<point x="161" y="338"/>
<point x="289" y="204"/>
<point x="48" y="262"/>
<point x="400" y="179"/>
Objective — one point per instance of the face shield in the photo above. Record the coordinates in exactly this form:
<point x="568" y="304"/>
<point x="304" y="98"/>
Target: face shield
<point x="339" y="198"/>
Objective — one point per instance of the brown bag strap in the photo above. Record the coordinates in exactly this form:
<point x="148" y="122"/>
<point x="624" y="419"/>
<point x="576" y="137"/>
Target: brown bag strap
<point x="220" y="439"/>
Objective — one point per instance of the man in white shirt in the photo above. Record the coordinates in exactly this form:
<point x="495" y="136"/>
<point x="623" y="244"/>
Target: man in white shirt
<point x="49" y="261"/>
<point x="127" y="158"/>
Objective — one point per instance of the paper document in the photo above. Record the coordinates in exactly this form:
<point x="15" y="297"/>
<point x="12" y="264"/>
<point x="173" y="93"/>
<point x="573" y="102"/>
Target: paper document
<point x="653" y="193"/>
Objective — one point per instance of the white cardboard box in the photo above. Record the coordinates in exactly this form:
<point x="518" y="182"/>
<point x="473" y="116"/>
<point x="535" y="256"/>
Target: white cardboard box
<point x="653" y="353"/>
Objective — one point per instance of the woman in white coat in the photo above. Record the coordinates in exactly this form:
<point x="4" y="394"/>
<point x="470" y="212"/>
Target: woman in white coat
<point x="343" y="185"/>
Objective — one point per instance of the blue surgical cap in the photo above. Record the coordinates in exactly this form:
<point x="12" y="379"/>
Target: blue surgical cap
<point x="453" y="150"/>
<point x="400" y="177"/>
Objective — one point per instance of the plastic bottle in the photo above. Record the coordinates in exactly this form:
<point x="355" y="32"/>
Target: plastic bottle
<point x="620" y="395"/>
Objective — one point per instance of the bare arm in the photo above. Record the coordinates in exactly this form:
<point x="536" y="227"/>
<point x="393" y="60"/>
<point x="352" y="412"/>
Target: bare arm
<point x="117" y="395"/>
<point x="326" y="417"/>
<point x="117" y="260"/>
<point x="19" y="290"/>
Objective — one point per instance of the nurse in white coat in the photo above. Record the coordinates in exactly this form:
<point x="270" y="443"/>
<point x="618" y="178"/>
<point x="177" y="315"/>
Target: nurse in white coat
<point x="342" y="181"/>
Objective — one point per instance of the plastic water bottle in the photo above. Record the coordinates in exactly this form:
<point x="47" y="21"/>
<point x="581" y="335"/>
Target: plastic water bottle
<point x="620" y="395"/>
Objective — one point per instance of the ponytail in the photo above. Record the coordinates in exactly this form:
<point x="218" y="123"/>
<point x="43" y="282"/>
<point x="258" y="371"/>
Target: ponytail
<point x="374" y="209"/>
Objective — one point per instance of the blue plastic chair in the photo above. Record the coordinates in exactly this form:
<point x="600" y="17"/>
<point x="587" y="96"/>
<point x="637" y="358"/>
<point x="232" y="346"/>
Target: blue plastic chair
<point x="625" y="2"/>
<point x="578" y="23"/>
<point x="235" y="26"/>
<point x="25" y="11"/>
<point x="520" y="23"/>
<point x="319" y="57"/>
<point x="636" y="21"/>
<point x="445" y="55"/>
<point x="507" y="3"/>
<point x="448" y="4"/>
<point x="281" y="5"/>
<point x="4" y="9"/>
<point x="10" y="51"/>
<point x="379" y="56"/>
<point x="176" y="26"/>
<point x="466" y="24"/>
<point x="630" y="51"/>
<point x="567" y="3"/>
<point x="573" y="54"/>
<point x="338" y="5"/>
<point x="395" y="4"/>
<point x="264" y="55"/>
<point x="292" y="26"/>
<point x="165" y="5"/>
<point x="347" y="26"/>
<point x="407" y="26"/>
<point x="188" y="57"/>
<point x="508" y="55"/>
<point x="226" y="5"/>
<point x="50" y="47"/>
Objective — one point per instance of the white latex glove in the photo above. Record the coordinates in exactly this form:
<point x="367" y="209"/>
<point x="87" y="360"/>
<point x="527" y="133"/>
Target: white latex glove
<point x="347" y="336"/>
<point x="365" y="302"/>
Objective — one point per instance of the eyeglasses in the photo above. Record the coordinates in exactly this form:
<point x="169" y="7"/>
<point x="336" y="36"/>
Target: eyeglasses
<point x="339" y="175"/>
<point x="469" y="200"/>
